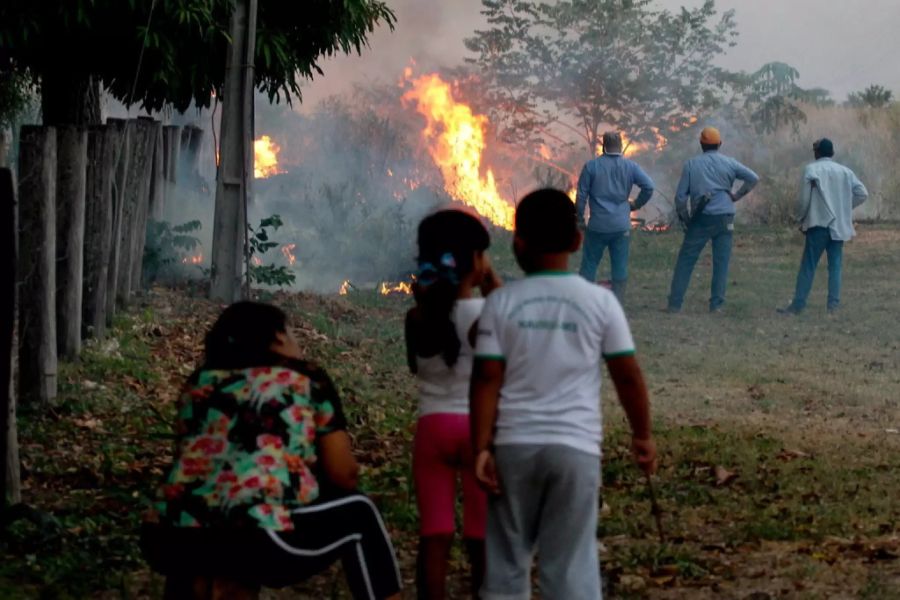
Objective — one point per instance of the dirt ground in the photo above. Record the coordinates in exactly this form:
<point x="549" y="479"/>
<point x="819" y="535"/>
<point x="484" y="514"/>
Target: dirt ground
<point x="778" y="436"/>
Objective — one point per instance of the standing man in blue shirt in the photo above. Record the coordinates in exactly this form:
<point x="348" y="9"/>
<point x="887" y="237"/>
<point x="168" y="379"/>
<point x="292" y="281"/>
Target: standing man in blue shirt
<point x="705" y="205"/>
<point x="605" y="183"/>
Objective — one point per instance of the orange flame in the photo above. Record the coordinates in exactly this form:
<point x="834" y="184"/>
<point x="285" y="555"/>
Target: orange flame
<point x="288" y="251"/>
<point x="545" y="152"/>
<point x="257" y="261"/>
<point x="345" y="288"/>
<point x="400" y="288"/>
<point x="633" y="148"/>
<point x="265" y="158"/>
<point x="196" y="259"/>
<point x="455" y="137"/>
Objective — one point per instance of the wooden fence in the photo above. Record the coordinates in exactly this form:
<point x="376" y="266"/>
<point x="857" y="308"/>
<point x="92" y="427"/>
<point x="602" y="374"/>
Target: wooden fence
<point x="85" y="198"/>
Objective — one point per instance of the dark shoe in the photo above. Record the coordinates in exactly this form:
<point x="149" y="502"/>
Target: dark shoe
<point x="790" y="309"/>
<point x="717" y="310"/>
<point x="833" y="310"/>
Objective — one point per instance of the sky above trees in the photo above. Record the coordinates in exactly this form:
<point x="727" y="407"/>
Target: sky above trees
<point x="840" y="45"/>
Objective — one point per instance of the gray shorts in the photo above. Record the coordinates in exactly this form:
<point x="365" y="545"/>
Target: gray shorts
<point x="549" y="506"/>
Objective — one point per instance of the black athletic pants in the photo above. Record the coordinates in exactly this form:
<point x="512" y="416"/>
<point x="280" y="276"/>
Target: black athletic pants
<point x="348" y="528"/>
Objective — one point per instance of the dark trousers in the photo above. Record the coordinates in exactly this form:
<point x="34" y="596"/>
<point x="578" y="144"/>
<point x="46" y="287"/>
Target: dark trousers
<point x="347" y="528"/>
<point x="594" y="245"/>
<point x="818" y="241"/>
<point x="704" y="228"/>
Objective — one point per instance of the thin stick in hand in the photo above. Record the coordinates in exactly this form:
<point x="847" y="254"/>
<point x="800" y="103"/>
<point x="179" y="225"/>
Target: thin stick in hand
<point x="655" y="510"/>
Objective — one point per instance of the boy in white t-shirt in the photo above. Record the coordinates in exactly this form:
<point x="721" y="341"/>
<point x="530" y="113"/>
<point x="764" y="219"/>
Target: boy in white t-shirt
<point x="535" y="409"/>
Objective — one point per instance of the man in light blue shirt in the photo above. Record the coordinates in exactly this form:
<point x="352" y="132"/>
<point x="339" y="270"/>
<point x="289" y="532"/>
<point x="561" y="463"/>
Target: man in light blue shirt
<point x="605" y="185"/>
<point x="705" y="205"/>
<point x="828" y="194"/>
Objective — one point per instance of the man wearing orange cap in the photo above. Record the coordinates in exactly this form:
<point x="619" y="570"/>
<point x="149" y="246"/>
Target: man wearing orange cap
<point x="705" y="204"/>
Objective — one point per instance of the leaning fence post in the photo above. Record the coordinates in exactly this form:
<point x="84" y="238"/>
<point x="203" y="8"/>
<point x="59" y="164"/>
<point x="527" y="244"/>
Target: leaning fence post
<point x="10" y="485"/>
<point x="122" y="139"/>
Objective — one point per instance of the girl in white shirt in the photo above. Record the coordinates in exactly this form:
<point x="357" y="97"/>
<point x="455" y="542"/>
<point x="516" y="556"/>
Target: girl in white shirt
<point x="439" y="339"/>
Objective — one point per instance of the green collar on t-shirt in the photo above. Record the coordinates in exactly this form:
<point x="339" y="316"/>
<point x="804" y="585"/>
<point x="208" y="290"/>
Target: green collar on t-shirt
<point x="549" y="273"/>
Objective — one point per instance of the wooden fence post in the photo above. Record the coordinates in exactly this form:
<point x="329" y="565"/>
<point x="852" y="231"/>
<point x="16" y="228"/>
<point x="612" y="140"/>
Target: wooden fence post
<point x="10" y="485"/>
<point x="172" y="156"/>
<point x="71" y="145"/>
<point x="37" y="265"/>
<point x="102" y="154"/>
<point x="123" y="134"/>
<point x="152" y="130"/>
<point x="135" y="189"/>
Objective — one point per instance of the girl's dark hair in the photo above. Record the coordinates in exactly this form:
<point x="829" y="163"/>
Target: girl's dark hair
<point x="243" y="335"/>
<point x="448" y="241"/>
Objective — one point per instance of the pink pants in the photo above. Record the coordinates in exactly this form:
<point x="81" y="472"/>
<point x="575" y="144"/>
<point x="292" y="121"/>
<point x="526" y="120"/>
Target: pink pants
<point x="443" y="452"/>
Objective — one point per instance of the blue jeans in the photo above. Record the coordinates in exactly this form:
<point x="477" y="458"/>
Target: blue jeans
<point x="594" y="245"/>
<point x="719" y="229"/>
<point x="818" y="240"/>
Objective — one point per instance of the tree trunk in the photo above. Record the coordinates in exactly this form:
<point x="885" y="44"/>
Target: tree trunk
<point x="71" y="144"/>
<point x="37" y="266"/>
<point x="153" y="139"/>
<point x="9" y="447"/>
<point x="103" y="150"/>
<point x="158" y="177"/>
<point x="124" y="133"/>
<point x="69" y="98"/>
<point x="235" y="171"/>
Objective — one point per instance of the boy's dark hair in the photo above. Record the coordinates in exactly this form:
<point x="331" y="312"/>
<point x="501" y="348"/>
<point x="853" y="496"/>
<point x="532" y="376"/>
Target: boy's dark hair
<point x="243" y="335"/>
<point x="710" y="147"/>
<point x="546" y="222"/>
<point x="448" y="241"/>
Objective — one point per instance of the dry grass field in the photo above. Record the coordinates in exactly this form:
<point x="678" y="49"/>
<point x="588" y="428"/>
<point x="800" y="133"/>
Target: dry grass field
<point x="778" y="436"/>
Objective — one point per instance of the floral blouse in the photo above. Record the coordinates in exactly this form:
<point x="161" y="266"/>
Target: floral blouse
<point x="247" y="446"/>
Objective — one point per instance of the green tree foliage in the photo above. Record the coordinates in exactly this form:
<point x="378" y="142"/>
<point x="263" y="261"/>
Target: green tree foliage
<point x="180" y="43"/>
<point x="259" y="243"/>
<point x="167" y="246"/>
<point x="15" y="96"/>
<point x="773" y="99"/>
<point x="874" y="96"/>
<point x="558" y="70"/>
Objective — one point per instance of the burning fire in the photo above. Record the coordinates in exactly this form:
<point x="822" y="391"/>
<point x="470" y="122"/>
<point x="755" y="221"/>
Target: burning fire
<point x="288" y="251"/>
<point x="345" y="288"/>
<point x="455" y="137"/>
<point x="633" y="148"/>
<point x="265" y="157"/>
<point x="400" y="288"/>
<point x="196" y="259"/>
<point x="257" y="261"/>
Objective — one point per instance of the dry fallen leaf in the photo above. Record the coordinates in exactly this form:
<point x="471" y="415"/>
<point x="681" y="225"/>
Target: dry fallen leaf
<point x="632" y="583"/>
<point x="724" y="476"/>
<point x="789" y="455"/>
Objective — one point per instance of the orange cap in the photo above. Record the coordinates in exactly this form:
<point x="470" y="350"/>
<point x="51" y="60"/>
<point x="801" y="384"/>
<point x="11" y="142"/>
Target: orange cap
<point x="710" y="135"/>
